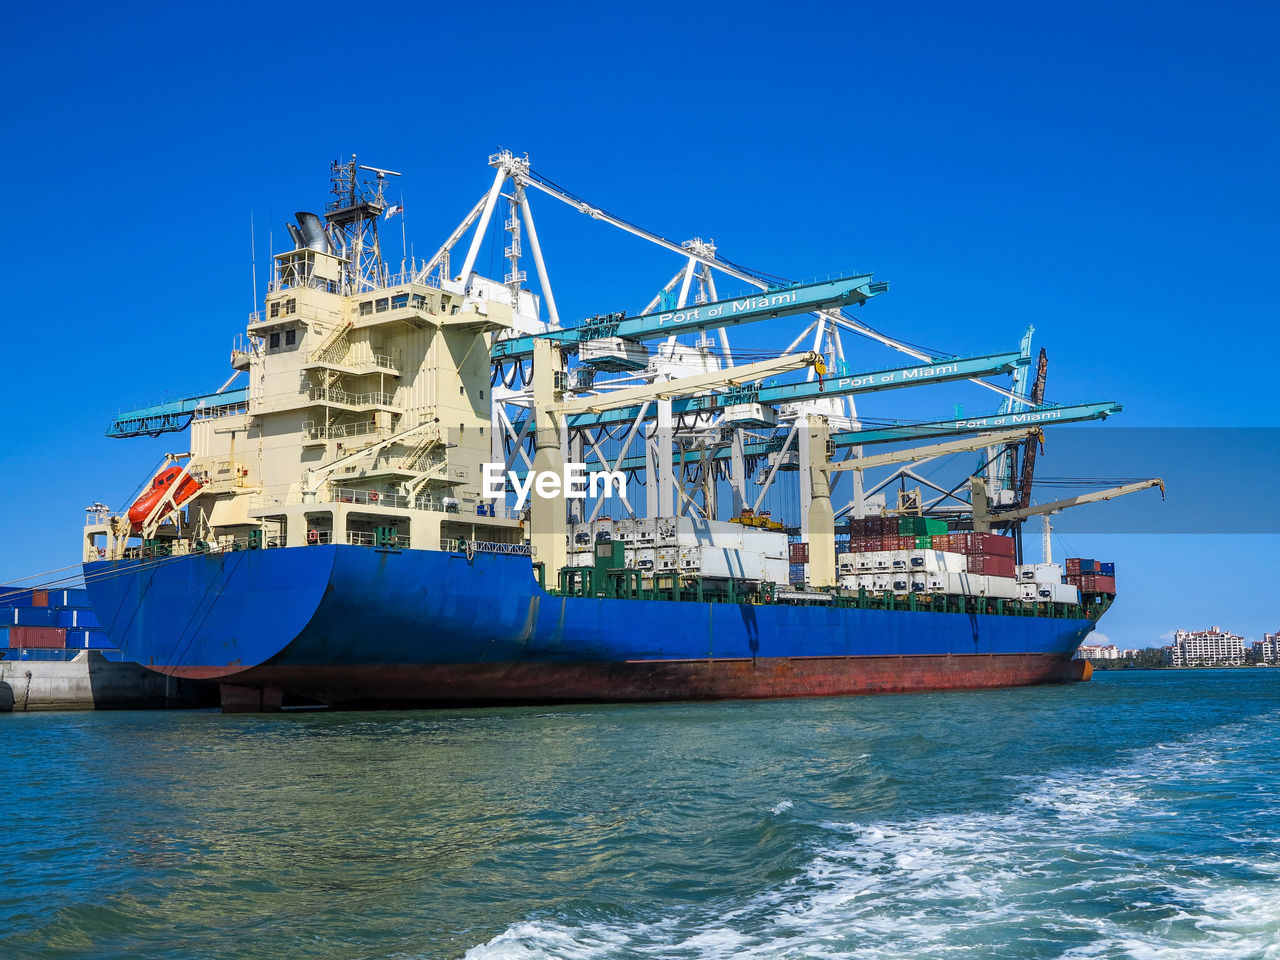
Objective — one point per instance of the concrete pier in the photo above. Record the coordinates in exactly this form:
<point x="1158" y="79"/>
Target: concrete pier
<point x="91" y="682"/>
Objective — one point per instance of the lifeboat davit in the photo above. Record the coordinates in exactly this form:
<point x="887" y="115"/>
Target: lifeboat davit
<point x="160" y="485"/>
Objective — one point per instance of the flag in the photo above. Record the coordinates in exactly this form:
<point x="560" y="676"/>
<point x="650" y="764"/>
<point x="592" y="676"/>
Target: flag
<point x="394" y="208"/>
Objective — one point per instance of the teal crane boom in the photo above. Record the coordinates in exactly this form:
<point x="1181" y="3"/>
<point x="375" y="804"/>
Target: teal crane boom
<point x="748" y="308"/>
<point x="172" y="415"/>
<point x="1072" y="413"/>
<point x="938" y="371"/>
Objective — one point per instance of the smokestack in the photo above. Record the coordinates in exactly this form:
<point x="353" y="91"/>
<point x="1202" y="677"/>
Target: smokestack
<point x="313" y="234"/>
<point x="297" y="236"/>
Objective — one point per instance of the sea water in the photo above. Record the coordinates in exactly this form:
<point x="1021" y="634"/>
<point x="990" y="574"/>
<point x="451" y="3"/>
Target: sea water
<point x="1136" y="816"/>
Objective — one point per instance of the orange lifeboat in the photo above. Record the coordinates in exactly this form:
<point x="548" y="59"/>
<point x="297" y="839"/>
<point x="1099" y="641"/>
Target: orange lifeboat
<point x="160" y="485"/>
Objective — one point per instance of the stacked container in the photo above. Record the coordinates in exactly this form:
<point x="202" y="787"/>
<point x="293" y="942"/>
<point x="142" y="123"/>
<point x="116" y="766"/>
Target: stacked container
<point x="49" y="620"/>
<point x="1091" y="576"/>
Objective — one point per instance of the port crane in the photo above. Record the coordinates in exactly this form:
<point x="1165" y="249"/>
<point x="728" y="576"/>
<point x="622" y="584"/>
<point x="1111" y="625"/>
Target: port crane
<point x="984" y="519"/>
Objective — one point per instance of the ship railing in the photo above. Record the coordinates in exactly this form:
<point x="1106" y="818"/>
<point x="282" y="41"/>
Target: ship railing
<point x="361" y="538"/>
<point x="338" y="395"/>
<point x="371" y="498"/>
<point x="378" y="282"/>
<point x="220" y="410"/>
<point x="463" y="545"/>
<point x="56" y="654"/>
<point x="342" y="431"/>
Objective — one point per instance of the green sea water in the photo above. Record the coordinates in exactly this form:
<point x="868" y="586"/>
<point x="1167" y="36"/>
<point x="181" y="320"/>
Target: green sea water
<point x="1136" y="816"/>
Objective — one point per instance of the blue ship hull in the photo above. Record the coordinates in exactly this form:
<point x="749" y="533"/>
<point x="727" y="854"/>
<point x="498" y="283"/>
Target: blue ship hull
<point x="347" y="625"/>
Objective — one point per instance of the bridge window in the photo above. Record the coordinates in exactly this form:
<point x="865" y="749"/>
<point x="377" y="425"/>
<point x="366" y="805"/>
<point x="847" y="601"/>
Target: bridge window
<point x="399" y="300"/>
<point x="273" y="341"/>
<point x="366" y="308"/>
<point x="290" y="337"/>
<point x="275" y="308"/>
<point x="381" y="305"/>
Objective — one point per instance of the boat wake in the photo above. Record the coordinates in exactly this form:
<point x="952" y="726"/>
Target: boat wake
<point x="1165" y="855"/>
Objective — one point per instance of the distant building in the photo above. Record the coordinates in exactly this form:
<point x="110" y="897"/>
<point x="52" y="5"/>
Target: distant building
<point x="1107" y="651"/>
<point x="1203" y="648"/>
<point x="1267" y="650"/>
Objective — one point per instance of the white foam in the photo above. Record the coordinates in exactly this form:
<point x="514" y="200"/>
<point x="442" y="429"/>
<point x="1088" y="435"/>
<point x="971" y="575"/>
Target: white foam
<point x="1034" y="872"/>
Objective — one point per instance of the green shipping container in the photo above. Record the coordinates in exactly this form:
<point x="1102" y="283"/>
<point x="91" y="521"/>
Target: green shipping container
<point x="924" y="542"/>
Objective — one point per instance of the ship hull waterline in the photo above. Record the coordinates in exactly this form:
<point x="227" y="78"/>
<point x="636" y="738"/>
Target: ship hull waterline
<point x="365" y="627"/>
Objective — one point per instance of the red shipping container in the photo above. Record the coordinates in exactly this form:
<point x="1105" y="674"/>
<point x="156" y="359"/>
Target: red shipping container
<point x="1103" y="584"/>
<point x="1073" y="566"/>
<point x="799" y="552"/>
<point x="990" y="565"/>
<point x="39" y="598"/>
<point x="38" y="638"/>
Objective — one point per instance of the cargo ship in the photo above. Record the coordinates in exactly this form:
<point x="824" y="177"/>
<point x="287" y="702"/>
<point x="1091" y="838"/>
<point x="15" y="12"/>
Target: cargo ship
<point x="404" y="505"/>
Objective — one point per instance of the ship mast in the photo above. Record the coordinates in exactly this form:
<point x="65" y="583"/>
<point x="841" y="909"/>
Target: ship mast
<point x="352" y="223"/>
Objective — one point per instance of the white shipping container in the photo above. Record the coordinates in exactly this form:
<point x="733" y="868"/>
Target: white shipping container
<point x="1003" y="588"/>
<point x="777" y="569"/>
<point x="642" y="558"/>
<point x="968" y="584"/>
<point x="847" y="563"/>
<point x="867" y="562"/>
<point x="626" y="531"/>
<point x="936" y="561"/>
<point x="1048" y="573"/>
<point x="1066" y="593"/>
<point x="1028" y="592"/>
<point x="646" y="531"/>
<point x="602" y="529"/>
<point x="666" y="559"/>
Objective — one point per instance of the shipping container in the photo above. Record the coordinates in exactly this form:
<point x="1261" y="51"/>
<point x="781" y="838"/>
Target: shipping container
<point x="989" y="565"/>
<point x="4" y="638"/>
<point x="39" y="598"/>
<point x="1065" y="593"/>
<point x="1002" y="588"/>
<point x="38" y="638"/>
<point x="33" y="617"/>
<point x="1107" y="569"/>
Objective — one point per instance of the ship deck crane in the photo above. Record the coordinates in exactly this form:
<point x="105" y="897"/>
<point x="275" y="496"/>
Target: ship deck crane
<point x="313" y="478"/>
<point x="983" y="518"/>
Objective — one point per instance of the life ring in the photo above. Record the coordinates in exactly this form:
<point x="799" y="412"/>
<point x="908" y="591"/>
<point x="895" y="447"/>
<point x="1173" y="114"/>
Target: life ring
<point x="313" y="536"/>
<point x="102" y="553"/>
<point x="373" y="496"/>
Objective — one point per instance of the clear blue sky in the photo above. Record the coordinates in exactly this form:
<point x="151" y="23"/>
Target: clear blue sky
<point x="1104" y="171"/>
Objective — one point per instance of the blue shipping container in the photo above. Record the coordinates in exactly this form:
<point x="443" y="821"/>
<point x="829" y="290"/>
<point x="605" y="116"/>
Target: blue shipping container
<point x="97" y="640"/>
<point x="33" y="617"/>
<point x="4" y="638"/>
<point x="69" y="598"/>
<point x="14" y="597"/>
<point x="1107" y="569"/>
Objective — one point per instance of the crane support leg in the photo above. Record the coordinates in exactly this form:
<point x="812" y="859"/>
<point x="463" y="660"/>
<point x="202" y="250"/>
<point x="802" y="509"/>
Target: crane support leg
<point x="822" y="523"/>
<point x="548" y="529"/>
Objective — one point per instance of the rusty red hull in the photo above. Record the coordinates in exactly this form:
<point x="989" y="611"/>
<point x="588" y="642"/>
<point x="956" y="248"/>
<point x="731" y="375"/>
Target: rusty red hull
<point x="525" y="683"/>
